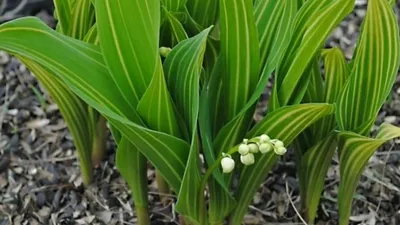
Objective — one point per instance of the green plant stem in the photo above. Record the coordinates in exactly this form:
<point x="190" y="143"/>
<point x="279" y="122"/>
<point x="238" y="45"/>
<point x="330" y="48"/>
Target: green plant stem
<point x="142" y="214"/>
<point x="162" y="186"/>
<point x="85" y="164"/>
<point x="210" y="170"/>
<point x="99" y="141"/>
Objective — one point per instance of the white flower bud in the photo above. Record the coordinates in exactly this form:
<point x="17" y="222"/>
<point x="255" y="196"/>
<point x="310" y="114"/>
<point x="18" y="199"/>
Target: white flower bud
<point x="243" y="149"/>
<point x="253" y="148"/>
<point x="247" y="159"/>
<point x="228" y="164"/>
<point x="264" y="138"/>
<point x="279" y="144"/>
<point x="265" y="148"/>
<point x="280" y="150"/>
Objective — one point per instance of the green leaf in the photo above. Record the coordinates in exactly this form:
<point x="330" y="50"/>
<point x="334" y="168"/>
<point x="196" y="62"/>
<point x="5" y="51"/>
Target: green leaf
<point x="79" y="64"/>
<point x="82" y="19"/>
<point x="92" y="36"/>
<point x="336" y="73"/>
<point x="221" y="201"/>
<point x="274" y="43"/>
<point x="182" y="70"/>
<point x="64" y="13"/>
<point x="172" y="31"/>
<point x="239" y="55"/>
<point x="167" y="153"/>
<point x="174" y="5"/>
<point x="273" y="19"/>
<point x="317" y="28"/>
<point x="203" y="12"/>
<point x="315" y="90"/>
<point x="74" y="112"/>
<point x="355" y="151"/>
<point x="312" y="172"/>
<point x="131" y="58"/>
<point x="81" y="67"/>
<point x="133" y="168"/>
<point x="188" y="198"/>
<point x="304" y="16"/>
<point x="233" y="132"/>
<point x="374" y="69"/>
<point x="156" y="107"/>
<point x="284" y="124"/>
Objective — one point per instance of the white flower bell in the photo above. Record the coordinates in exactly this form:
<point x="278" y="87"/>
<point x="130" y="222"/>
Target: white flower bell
<point x="228" y="164"/>
<point x="247" y="159"/>
<point x="265" y="148"/>
<point x="253" y="148"/>
<point x="264" y="138"/>
<point x="280" y="150"/>
<point x="243" y="149"/>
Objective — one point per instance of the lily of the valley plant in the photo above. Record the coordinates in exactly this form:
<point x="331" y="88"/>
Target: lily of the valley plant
<point x="177" y="79"/>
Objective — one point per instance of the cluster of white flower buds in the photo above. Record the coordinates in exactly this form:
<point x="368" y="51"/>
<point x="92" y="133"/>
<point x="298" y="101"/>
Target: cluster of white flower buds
<point x="248" y="148"/>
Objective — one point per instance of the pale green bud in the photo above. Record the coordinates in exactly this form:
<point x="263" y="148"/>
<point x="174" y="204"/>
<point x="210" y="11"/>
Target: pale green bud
<point x="247" y="159"/>
<point x="279" y="144"/>
<point x="280" y="150"/>
<point x="264" y="138"/>
<point x="243" y="149"/>
<point x="164" y="51"/>
<point x="228" y="164"/>
<point x="265" y="148"/>
<point x="253" y="148"/>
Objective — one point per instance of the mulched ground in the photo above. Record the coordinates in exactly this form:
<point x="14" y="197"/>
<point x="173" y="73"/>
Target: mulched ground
<point x="40" y="181"/>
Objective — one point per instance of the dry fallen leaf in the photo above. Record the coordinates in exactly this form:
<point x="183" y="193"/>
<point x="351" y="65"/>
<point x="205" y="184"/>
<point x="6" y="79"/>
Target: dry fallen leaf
<point x="38" y="123"/>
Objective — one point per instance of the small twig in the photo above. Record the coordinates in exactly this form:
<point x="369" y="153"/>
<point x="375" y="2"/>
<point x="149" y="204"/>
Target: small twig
<point x="294" y="207"/>
<point x="161" y="194"/>
<point x="383" y="175"/>
<point x="262" y="212"/>
<point x="29" y="162"/>
<point x="57" y="186"/>
<point x="390" y="152"/>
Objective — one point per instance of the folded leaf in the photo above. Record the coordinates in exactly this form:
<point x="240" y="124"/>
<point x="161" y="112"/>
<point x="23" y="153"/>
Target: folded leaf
<point x="312" y="172"/>
<point x="182" y="70"/>
<point x="156" y="107"/>
<point x="374" y="69"/>
<point x="355" y="151"/>
<point x="188" y="198"/>
<point x="74" y="111"/>
<point x="133" y="167"/>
